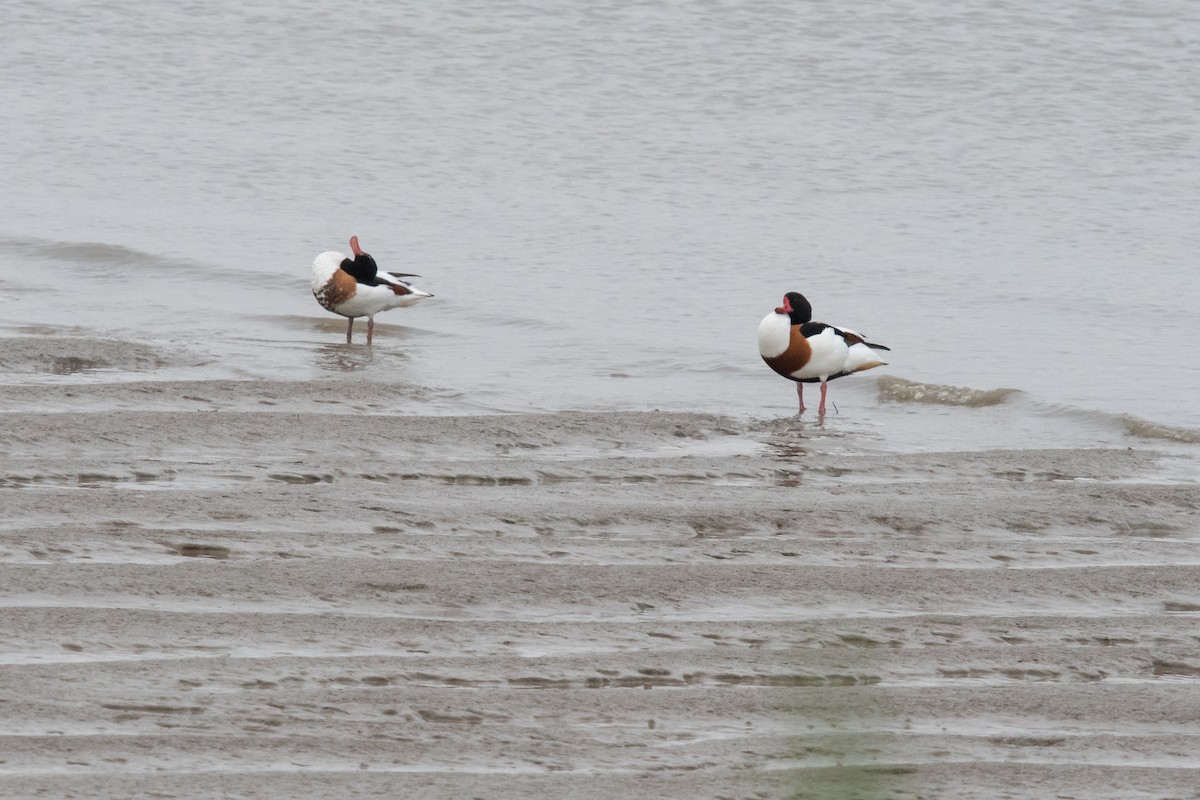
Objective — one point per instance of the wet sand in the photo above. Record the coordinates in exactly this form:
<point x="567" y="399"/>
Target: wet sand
<point x="265" y="589"/>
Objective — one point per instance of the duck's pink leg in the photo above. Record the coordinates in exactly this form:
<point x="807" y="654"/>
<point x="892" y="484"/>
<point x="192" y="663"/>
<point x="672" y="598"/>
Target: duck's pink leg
<point x="349" y="328"/>
<point x="800" y="395"/>
<point x="370" y="328"/>
<point x="821" y="408"/>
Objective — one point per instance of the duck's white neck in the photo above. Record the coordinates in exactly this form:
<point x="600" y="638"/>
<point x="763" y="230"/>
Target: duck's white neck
<point x="324" y="266"/>
<point x="774" y="335"/>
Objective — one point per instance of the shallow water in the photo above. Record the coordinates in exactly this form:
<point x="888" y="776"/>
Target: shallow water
<point x="605" y="200"/>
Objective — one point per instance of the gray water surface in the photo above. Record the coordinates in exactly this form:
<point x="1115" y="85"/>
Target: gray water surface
<point x="606" y="198"/>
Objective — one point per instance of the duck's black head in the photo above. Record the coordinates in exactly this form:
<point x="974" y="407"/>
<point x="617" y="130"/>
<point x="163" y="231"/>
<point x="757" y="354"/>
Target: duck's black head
<point x="362" y="266"/>
<point x="796" y="307"/>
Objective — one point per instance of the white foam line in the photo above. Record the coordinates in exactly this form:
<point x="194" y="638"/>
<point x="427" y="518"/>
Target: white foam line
<point x="267" y="769"/>
<point x="741" y="559"/>
<point x="1006" y="757"/>
<point x="746" y="613"/>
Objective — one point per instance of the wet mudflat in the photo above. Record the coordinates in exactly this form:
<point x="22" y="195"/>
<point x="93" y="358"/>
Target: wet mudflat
<point x="258" y="589"/>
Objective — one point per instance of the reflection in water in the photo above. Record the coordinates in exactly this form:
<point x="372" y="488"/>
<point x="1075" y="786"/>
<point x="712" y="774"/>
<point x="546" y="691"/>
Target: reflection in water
<point x="343" y="357"/>
<point x="795" y="441"/>
<point x="67" y="365"/>
<point x="789" y="445"/>
<point x="788" y="438"/>
<point x="360" y="357"/>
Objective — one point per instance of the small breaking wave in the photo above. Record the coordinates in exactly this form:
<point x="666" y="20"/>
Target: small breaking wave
<point x="899" y="390"/>
<point x="1125" y="423"/>
<point x="85" y="253"/>
<point x="1136" y="426"/>
<point x="108" y="260"/>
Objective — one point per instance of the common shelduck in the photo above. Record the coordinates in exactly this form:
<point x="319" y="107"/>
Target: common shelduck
<point x="354" y="287"/>
<point x="812" y="352"/>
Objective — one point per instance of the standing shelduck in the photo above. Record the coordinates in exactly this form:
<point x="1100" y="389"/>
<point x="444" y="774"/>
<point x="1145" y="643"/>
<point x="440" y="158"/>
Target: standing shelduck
<point x="354" y="287"/>
<point x="812" y="352"/>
